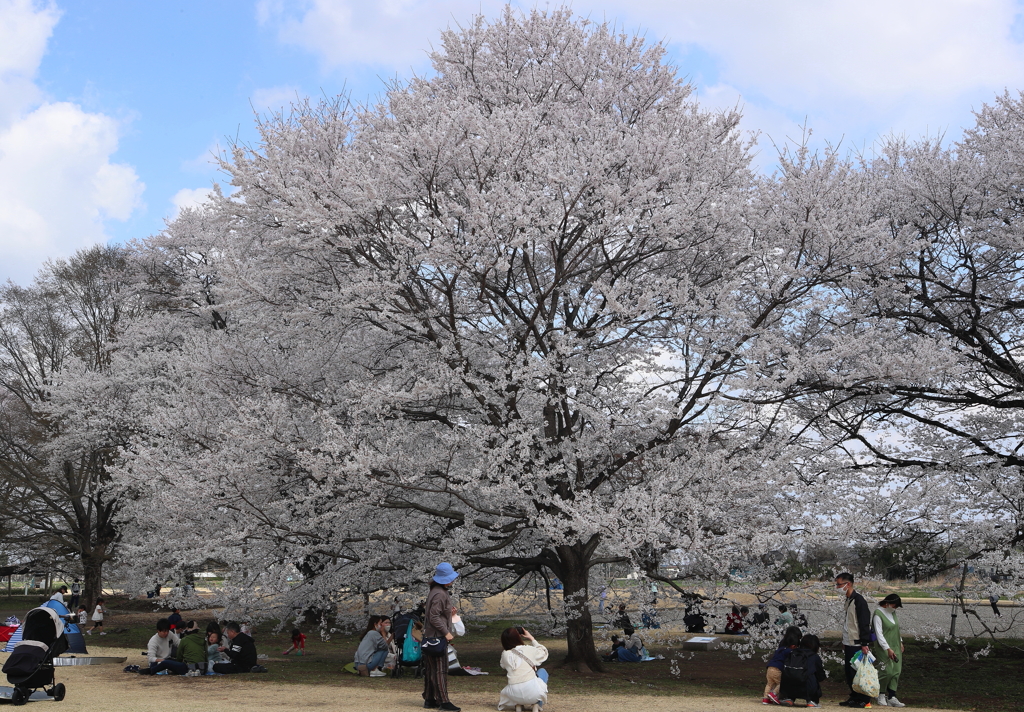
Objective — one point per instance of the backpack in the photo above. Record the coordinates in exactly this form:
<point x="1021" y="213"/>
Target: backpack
<point x="797" y="668"/>
<point x="410" y="646"/>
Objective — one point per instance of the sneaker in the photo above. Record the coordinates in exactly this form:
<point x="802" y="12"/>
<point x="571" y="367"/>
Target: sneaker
<point x="766" y="701"/>
<point x="449" y="707"/>
<point x="893" y="702"/>
<point x="812" y="704"/>
<point x="786" y="703"/>
<point x="773" y="699"/>
<point x="881" y="702"/>
<point x="103" y="632"/>
<point x="430" y="705"/>
<point x="378" y="673"/>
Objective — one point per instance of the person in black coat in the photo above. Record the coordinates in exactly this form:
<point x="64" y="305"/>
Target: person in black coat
<point x="856" y="634"/>
<point x="241" y="649"/>
<point x="805" y="685"/>
<point x="621" y="619"/>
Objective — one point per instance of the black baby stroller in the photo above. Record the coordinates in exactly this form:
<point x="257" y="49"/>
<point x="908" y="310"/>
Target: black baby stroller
<point x="408" y="625"/>
<point x="30" y="666"/>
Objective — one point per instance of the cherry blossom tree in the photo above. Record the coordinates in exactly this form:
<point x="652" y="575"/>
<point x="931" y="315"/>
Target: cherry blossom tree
<point x="529" y="314"/>
<point x="58" y="430"/>
<point x="921" y="422"/>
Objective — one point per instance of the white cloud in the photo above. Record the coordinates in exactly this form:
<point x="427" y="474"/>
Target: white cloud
<point x="852" y="70"/>
<point x="875" y="51"/>
<point x="58" y="185"/>
<point x="204" y="160"/>
<point x="189" y="198"/>
<point x="24" y="31"/>
<point x="274" y="98"/>
<point x="393" y="33"/>
<point x="907" y="65"/>
<point x="774" y="129"/>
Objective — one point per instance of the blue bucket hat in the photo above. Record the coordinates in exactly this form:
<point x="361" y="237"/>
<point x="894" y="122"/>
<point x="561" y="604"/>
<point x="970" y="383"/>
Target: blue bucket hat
<point x="445" y="573"/>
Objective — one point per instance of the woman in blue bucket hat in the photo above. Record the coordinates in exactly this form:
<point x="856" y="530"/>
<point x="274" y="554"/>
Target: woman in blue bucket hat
<point x="437" y="623"/>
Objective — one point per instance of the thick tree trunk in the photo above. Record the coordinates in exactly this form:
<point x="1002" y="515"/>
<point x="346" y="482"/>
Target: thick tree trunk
<point x="575" y="572"/>
<point x="92" y="581"/>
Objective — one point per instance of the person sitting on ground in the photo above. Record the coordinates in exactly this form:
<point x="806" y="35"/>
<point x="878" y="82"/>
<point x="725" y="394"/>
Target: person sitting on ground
<point x="174" y="619"/>
<point x="694" y="620"/>
<point x="803" y="674"/>
<point x="613" y="656"/>
<point x="760" y="619"/>
<point x="373" y="648"/>
<point x="649" y="618"/>
<point x="298" y="642"/>
<point x="213" y="653"/>
<point x="785" y="618"/>
<point x="773" y="674"/>
<point x="734" y="622"/>
<point x="632" y="650"/>
<point x="799" y="619"/>
<point x="745" y="618"/>
<point x="527" y="680"/>
<point x="621" y="619"/>
<point x="240" y="649"/>
<point x="161" y="651"/>
<point x="192" y="649"/>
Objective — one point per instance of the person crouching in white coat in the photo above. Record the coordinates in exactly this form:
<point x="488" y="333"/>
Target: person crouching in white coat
<point x="527" y="681"/>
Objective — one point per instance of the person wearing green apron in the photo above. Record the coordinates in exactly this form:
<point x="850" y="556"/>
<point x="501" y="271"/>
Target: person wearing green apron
<point x="888" y="649"/>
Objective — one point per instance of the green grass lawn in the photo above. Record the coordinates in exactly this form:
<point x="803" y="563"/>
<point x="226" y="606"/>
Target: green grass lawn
<point x="932" y="677"/>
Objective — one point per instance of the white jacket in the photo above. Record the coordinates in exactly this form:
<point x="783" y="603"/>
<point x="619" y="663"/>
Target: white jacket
<point x="524" y="687"/>
<point x="160" y="648"/>
<point x="517" y="668"/>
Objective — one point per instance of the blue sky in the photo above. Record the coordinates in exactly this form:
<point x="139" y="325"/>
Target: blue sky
<point x="110" y="110"/>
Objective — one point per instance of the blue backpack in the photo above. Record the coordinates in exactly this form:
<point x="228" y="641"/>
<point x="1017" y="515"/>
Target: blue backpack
<point x="410" y="646"/>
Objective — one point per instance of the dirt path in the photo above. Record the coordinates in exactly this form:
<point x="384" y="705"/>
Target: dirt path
<point x="109" y="689"/>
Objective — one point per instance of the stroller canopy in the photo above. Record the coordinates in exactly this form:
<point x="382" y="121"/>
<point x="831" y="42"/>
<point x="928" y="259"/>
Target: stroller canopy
<point x="43" y="624"/>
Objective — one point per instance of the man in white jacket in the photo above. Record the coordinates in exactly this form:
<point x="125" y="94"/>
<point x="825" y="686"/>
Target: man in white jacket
<point x="161" y="651"/>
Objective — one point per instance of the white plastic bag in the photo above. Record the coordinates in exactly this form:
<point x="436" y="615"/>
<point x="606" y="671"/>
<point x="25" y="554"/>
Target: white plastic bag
<point x="865" y="681"/>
